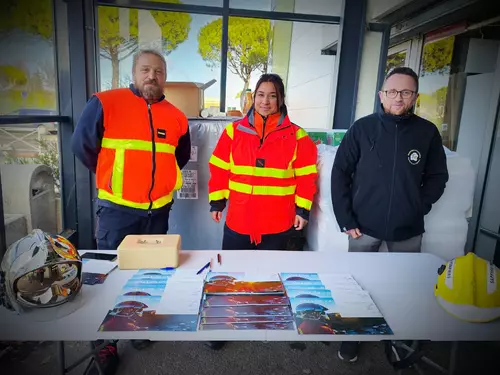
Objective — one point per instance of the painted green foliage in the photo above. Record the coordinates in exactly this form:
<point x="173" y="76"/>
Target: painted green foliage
<point x="395" y="60"/>
<point x="35" y="17"/>
<point x="32" y="16"/>
<point x="116" y="44"/>
<point x="437" y="56"/>
<point x="12" y="76"/>
<point x="248" y="46"/>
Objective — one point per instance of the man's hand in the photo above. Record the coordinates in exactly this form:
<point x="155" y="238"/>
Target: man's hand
<point x="300" y="222"/>
<point x="216" y="216"/>
<point x="354" y="233"/>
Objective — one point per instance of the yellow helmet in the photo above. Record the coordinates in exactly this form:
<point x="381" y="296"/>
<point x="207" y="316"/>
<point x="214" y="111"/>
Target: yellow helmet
<point x="467" y="288"/>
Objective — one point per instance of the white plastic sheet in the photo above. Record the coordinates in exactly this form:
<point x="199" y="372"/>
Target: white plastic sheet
<point x="446" y="225"/>
<point x="323" y="232"/>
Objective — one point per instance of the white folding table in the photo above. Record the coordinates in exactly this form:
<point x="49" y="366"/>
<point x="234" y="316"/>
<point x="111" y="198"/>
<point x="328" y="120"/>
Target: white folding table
<point x="401" y="285"/>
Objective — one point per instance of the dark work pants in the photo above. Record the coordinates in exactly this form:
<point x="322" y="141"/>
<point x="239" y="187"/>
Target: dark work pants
<point x="235" y="241"/>
<point x="114" y="225"/>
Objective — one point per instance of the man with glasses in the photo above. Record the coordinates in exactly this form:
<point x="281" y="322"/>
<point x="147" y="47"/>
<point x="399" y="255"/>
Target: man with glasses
<point x="388" y="172"/>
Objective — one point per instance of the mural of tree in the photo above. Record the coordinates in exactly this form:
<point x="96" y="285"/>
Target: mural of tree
<point x="437" y="56"/>
<point x="248" y="47"/>
<point x="395" y="60"/>
<point x="125" y="80"/>
<point x="117" y="46"/>
<point x="35" y="17"/>
<point x="440" y="95"/>
<point x="11" y="76"/>
<point x="32" y="16"/>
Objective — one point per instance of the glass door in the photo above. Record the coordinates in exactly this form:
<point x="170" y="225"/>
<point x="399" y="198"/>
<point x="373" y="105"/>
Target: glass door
<point x="398" y="56"/>
<point x="488" y="236"/>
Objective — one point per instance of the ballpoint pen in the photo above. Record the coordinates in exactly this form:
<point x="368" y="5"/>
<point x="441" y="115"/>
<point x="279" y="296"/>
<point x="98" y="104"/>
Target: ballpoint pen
<point x="204" y="267"/>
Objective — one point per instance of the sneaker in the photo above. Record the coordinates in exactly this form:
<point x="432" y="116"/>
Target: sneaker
<point x="215" y="345"/>
<point x="107" y="358"/>
<point x="348" y="351"/>
<point x="140" y="344"/>
<point x="298" y="346"/>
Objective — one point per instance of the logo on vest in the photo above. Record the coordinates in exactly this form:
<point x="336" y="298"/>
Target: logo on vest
<point x="260" y="163"/>
<point x="161" y="133"/>
<point x="414" y="157"/>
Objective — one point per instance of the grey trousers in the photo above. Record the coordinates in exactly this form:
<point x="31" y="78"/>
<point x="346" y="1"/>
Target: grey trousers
<point x="366" y="243"/>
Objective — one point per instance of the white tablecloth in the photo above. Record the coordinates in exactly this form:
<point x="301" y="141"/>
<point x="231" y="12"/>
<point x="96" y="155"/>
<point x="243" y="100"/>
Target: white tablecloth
<point x="402" y="286"/>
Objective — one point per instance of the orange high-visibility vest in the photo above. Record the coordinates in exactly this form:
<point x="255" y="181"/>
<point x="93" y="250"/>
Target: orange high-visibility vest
<point x="264" y="179"/>
<point x="136" y="166"/>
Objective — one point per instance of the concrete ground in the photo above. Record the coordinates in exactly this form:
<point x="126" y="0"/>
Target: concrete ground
<point x="242" y="358"/>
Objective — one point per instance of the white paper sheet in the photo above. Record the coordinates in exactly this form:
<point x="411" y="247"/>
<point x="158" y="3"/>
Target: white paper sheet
<point x="182" y="294"/>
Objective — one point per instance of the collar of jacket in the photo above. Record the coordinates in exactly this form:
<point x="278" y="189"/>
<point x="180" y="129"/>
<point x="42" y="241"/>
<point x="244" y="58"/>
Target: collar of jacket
<point x="390" y="118"/>
<point x="283" y="121"/>
<point x="137" y="93"/>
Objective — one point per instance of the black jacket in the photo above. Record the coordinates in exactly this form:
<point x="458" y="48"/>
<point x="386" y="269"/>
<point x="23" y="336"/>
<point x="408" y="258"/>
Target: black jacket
<point x="388" y="172"/>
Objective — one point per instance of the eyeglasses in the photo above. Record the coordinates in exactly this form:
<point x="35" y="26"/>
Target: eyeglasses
<point x="405" y="94"/>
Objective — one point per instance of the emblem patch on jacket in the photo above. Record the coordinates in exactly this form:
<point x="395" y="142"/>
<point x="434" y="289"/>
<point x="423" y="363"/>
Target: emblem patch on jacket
<point x="414" y="157"/>
<point x="260" y="163"/>
<point x="161" y="133"/>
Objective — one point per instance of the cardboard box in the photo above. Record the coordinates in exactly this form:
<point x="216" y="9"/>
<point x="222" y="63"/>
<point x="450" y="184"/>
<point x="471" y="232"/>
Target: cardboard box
<point x="189" y="97"/>
<point x="149" y="251"/>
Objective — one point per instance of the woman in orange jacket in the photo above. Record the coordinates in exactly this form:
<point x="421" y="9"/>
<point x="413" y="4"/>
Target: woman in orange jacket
<point x="265" y="166"/>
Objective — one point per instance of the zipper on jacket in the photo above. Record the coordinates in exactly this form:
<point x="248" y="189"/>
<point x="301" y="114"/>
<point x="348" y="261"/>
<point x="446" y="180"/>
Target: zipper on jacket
<point x="153" y="169"/>
<point x="392" y="182"/>
<point x="278" y="128"/>
<point x="263" y="132"/>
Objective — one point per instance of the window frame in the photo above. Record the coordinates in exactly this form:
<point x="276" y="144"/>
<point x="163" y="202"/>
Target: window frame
<point x="225" y="11"/>
<point x="76" y="61"/>
<point x="64" y="122"/>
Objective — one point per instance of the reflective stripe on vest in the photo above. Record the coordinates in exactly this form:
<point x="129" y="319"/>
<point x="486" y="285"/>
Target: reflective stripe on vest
<point x="218" y="162"/>
<point x="261" y="190"/>
<point x="120" y="146"/>
<point x="230" y="131"/>
<point x="103" y="194"/>
<point x="304" y="171"/>
<point x="218" y="195"/>
<point x="245" y="170"/>
<point x="304" y="203"/>
<point x="301" y="133"/>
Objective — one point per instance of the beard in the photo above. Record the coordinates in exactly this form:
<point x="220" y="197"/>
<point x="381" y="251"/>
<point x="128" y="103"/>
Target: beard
<point x="150" y="90"/>
<point x="399" y="111"/>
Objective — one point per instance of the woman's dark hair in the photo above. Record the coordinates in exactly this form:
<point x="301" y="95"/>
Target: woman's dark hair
<point x="278" y="86"/>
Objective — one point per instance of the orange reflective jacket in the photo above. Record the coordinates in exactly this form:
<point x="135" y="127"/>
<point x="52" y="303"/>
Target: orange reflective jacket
<point x="265" y="178"/>
<point x="136" y="166"/>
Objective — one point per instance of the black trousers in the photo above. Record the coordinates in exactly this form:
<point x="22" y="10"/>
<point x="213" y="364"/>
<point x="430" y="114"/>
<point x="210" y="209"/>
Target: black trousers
<point x="114" y="225"/>
<point x="235" y="241"/>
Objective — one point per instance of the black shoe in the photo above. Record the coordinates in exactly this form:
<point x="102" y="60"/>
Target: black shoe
<point x="141" y="344"/>
<point x="215" y="345"/>
<point x="298" y="346"/>
<point x="348" y="351"/>
<point x="106" y="358"/>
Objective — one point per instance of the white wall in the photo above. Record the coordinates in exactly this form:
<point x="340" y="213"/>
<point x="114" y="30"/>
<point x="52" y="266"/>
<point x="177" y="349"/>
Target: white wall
<point x="474" y="118"/>
<point x="322" y="7"/>
<point x="311" y="87"/>
<point x="367" y="84"/>
<point x="311" y="82"/>
<point x="376" y="8"/>
<point x="312" y="77"/>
